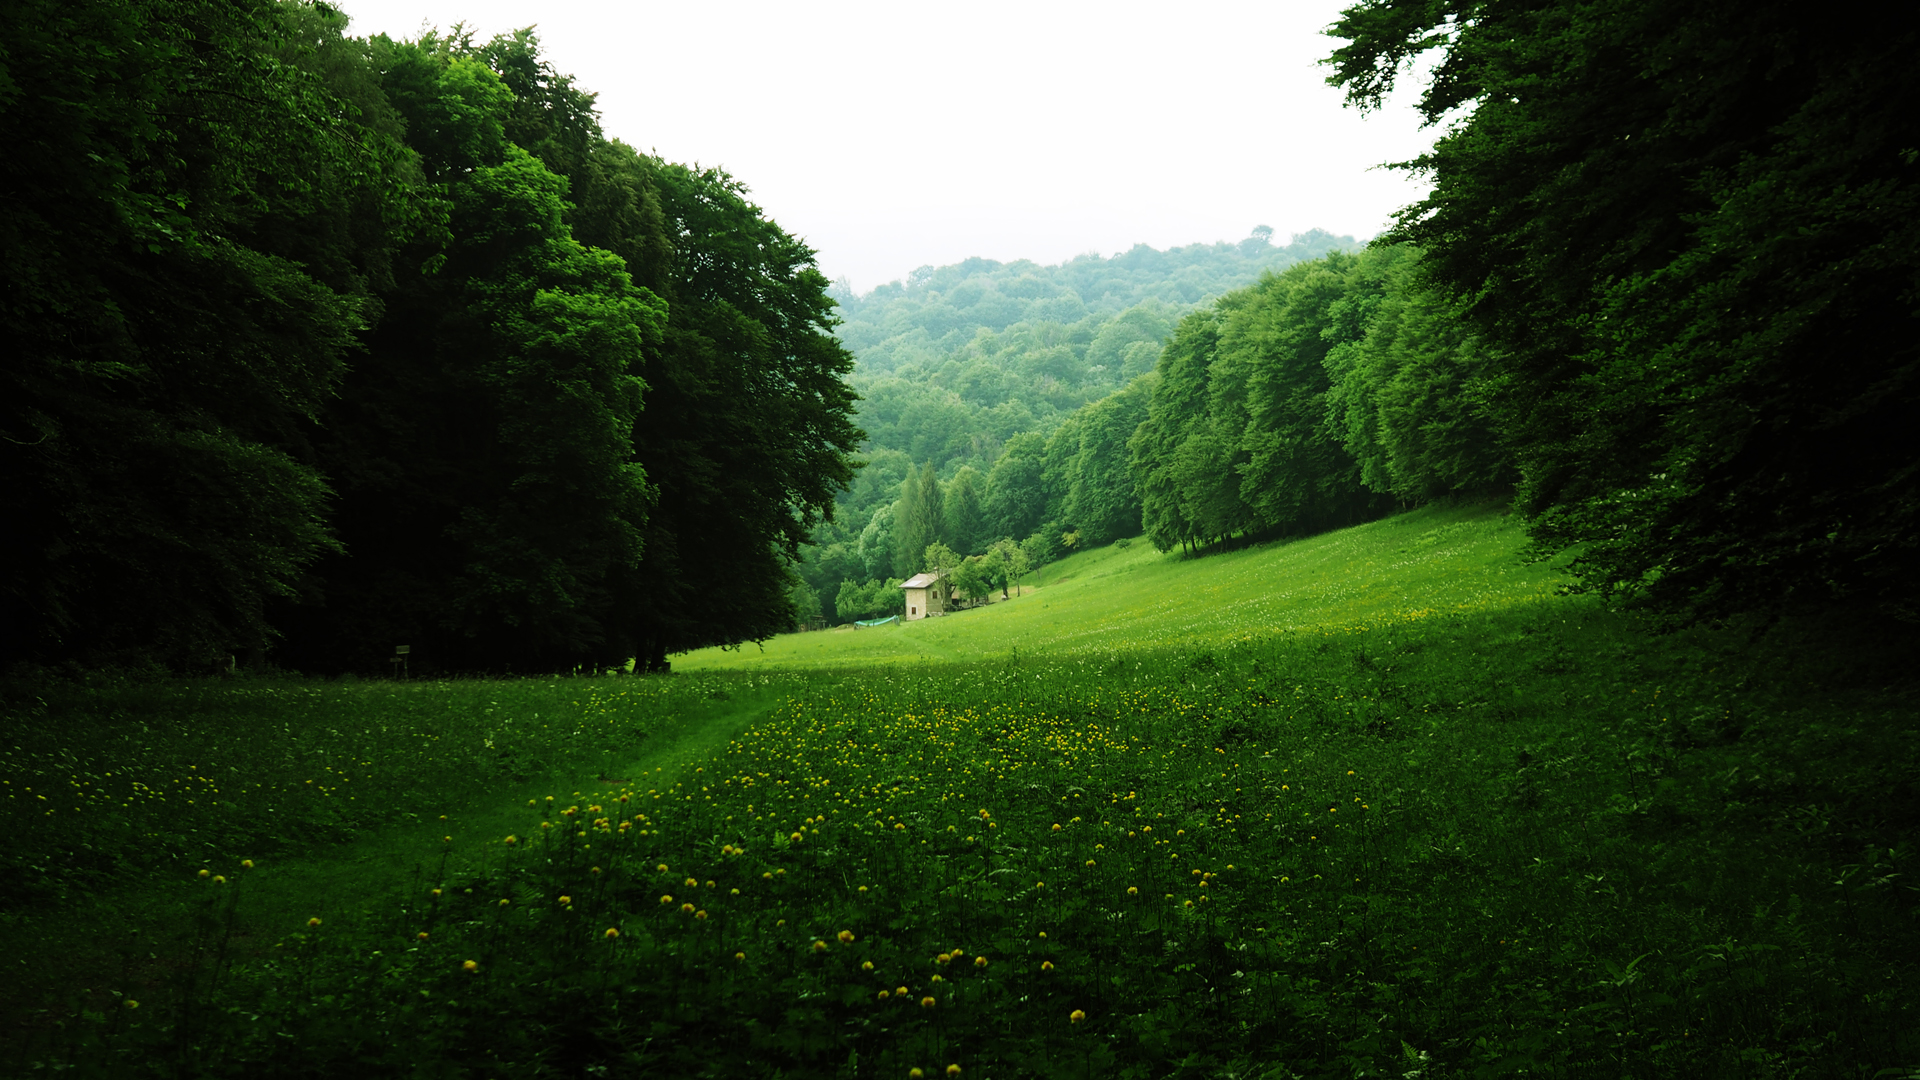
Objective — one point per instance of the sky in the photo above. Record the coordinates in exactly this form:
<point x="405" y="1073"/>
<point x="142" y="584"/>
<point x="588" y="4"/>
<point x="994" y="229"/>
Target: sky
<point x="895" y="135"/>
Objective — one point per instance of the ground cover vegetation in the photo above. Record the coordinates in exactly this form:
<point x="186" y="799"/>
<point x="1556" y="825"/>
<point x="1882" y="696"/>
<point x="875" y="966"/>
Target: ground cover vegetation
<point x="1509" y="835"/>
<point x="324" y="343"/>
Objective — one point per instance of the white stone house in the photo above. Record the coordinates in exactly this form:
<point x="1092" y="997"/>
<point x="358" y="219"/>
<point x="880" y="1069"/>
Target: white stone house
<point x="926" y="595"/>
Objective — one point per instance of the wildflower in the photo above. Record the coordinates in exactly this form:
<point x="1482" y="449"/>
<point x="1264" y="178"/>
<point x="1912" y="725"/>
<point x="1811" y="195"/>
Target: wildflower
<point x="246" y="864"/>
<point x="882" y="996"/>
<point x="1046" y="965"/>
<point x="662" y="868"/>
<point x="512" y="840"/>
<point x="1076" y="1016"/>
<point x="866" y="965"/>
<point x="926" y="1003"/>
<point x="436" y="892"/>
<point x="219" y="879"/>
<point x="846" y="937"/>
<point x="132" y="1004"/>
<point x="1089" y="864"/>
<point x="612" y="932"/>
<point x="701" y="914"/>
<point x="1133" y="890"/>
<point x="766" y="877"/>
<point x="687" y="909"/>
<point x="668" y="899"/>
<point x="979" y="961"/>
<point x="914" y="1074"/>
<point x="739" y="956"/>
<point x="733" y="892"/>
<point x="819" y="946"/>
<point x="504" y="903"/>
<point x="470" y="966"/>
<point x="953" y="1070"/>
<point x="205" y="873"/>
<point x="863" y="888"/>
<point x="312" y="923"/>
<point x="938" y="978"/>
<point x="1056" y="827"/>
<point x="1189" y="903"/>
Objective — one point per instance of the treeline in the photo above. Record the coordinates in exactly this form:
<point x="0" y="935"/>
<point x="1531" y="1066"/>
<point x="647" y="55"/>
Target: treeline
<point x="323" y="344"/>
<point x="1325" y="394"/>
<point x="959" y="359"/>
<point x="1665" y="284"/>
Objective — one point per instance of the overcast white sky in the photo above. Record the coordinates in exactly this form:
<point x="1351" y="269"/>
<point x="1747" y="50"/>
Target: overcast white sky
<point x="895" y="135"/>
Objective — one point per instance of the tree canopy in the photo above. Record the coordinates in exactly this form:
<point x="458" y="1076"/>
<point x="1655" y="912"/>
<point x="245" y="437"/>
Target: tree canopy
<point x="336" y="343"/>
<point x="1688" y="233"/>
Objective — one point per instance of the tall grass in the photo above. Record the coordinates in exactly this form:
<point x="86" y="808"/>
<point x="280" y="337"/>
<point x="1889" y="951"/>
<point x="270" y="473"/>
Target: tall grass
<point x="1527" y="840"/>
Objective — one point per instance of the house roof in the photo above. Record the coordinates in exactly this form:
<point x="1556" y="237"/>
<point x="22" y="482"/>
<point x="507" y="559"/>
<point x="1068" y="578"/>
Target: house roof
<point x="921" y="581"/>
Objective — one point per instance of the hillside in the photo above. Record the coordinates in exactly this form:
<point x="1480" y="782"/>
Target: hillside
<point x="1430" y="562"/>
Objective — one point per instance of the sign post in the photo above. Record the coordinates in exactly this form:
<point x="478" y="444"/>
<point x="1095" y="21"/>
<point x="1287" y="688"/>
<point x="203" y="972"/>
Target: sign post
<point x="399" y="660"/>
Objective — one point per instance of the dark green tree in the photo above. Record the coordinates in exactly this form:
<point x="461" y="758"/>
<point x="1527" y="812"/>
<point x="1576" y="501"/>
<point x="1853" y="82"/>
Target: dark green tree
<point x="193" y="228"/>
<point x="1689" y="235"/>
<point x="1016" y="501"/>
<point x="965" y="525"/>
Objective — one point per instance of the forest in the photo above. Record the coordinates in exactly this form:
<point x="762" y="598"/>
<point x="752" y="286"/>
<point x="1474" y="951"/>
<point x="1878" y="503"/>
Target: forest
<point x="320" y="343"/>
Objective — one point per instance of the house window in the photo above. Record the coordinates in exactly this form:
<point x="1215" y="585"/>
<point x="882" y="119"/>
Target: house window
<point x="913" y="611"/>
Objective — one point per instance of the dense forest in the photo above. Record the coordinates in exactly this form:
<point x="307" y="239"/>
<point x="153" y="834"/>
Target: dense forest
<point x="324" y="344"/>
<point x="1662" y="292"/>
<point x="1328" y="391"/>
<point x="319" y="344"/>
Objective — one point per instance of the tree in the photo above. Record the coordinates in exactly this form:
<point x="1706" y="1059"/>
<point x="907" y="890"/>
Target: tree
<point x="194" y="223"/>
<point x="917" y="520"/>
<point x="973" y="578"/>
<point x="1297" y="476"/>
<point x="1009" y="564"/>
<point x="489" y="492"/>
<point x="939" y="559"/>
<point x="1016" y="491"/>
<point x="961" y="500"/>
<point x="1101" y="501"/>
<point x="1688" y="234"/>
<point x="749" y="434"/>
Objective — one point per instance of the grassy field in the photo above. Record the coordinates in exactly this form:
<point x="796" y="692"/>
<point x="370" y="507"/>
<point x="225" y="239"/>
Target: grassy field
<point x="1373" y="803"/>
<point x="1432" y="562"/>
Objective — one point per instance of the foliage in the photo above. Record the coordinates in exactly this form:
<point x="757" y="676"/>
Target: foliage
<point x="229" y="201"/>
<point x="193" y="230"/>
<point x="1688" y="234"/>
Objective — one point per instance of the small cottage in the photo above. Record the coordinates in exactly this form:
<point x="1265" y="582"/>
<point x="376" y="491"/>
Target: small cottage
<point x="926" y="595"/>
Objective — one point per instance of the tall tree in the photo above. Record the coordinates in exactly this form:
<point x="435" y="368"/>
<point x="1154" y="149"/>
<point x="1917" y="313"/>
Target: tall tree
<point x="749" y="434"/>
<point x="917" y="520"/>
<point x="1016" y="489"/>
<point x="193" y="227"/>
<point x="1690" y="233"/>
<point x="1101" y="501"/>
<point x="484" y="455"/>
<point x="964" y="524"/>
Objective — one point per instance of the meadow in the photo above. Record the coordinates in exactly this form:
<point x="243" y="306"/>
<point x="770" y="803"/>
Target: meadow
<point x="1373" y="803"/>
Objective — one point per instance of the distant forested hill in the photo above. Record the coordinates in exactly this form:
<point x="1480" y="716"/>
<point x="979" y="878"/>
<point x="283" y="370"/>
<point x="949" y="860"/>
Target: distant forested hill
<point x="981" y="364"/>
<point x="957" y="360"/>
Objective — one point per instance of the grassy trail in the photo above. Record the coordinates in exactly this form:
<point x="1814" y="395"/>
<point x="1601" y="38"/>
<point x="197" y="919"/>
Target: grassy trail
<point x="136" y="933"/>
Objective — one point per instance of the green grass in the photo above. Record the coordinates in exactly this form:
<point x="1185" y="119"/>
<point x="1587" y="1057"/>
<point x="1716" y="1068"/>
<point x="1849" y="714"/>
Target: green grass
<point x="1398" y="812"/>
<point x="1398" y="571"/>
